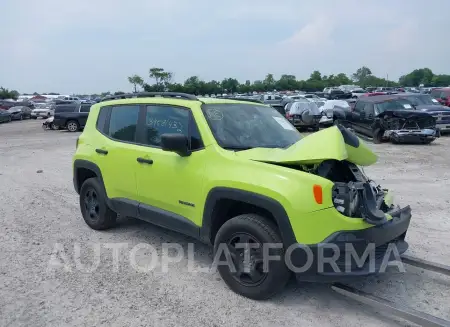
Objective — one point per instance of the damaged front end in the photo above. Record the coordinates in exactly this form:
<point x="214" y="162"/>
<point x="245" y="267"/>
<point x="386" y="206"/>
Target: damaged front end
<point x="354" y="195"/>
<point x="406" y="127"/>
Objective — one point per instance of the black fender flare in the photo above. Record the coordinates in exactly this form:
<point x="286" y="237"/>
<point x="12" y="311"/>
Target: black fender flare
<point x="267" y="203"/>
<point x="79" y="163"/>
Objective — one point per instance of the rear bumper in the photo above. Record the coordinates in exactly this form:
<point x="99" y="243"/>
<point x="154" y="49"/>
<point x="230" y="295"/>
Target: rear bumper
<point x="336" y="258"/>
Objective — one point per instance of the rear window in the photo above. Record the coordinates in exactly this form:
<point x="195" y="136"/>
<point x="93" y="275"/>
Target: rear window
<point x="85" y="108"/>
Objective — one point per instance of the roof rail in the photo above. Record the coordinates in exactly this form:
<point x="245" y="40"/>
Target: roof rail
<point x="178" y="95"/>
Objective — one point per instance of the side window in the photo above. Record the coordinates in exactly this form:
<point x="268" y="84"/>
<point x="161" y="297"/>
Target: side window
<point x="359" y="106"/>
<point x="85" y="108"/>
<point x="123" y="122"/>
<point x="102" y="119"/>
<point x="162" y="119"/>
<point x="368" y="109"/>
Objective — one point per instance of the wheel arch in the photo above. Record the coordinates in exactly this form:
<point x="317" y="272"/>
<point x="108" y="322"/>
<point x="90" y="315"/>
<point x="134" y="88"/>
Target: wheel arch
<point x="84" y="169"/>
<point x="224" y="203"/>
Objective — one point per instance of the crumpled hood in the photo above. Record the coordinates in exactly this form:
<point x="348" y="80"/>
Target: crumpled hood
<point x="336" y="143"/>
<point x="405" y="114"/>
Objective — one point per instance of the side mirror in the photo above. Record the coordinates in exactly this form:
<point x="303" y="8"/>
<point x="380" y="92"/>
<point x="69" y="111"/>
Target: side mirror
<point x="177" y="143"/>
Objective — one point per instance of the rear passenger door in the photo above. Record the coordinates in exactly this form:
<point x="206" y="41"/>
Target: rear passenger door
<point x="115" y="154"/>
<point x="170" y="186"/>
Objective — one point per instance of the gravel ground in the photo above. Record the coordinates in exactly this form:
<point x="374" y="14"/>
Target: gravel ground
<point x="40" y="210"/>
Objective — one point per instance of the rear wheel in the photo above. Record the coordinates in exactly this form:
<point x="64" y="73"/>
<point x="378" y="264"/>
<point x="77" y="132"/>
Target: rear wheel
<point x="72" y="126"/>
<point x="244" y="238"/>
<point x="94" y="208"/>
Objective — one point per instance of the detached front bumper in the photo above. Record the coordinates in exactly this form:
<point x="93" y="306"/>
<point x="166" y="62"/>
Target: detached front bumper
<point x="412" y="136"/>
<point x="349" y="254"/>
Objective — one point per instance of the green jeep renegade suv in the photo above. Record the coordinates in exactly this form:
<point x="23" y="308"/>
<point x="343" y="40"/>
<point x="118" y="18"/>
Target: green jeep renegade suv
<point x="238" y="174"/>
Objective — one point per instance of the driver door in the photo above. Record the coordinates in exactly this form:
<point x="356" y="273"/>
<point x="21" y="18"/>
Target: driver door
<point x="168" y="185"/>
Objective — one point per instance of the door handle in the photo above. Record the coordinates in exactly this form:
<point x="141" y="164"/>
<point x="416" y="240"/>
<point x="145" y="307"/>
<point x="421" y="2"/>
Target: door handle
<point x="146" y="161"/>
<point x="101" y="151"/>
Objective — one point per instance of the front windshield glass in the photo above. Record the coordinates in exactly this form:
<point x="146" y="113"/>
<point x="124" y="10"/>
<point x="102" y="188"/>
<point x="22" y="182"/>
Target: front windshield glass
<point x="394" y="105"/>
<point x="244" y="126"/>
<point x="424" y="99"/>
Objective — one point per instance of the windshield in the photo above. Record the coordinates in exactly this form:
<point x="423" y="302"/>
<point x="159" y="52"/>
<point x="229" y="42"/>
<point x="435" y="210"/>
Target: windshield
<point x="394" y="105"/>
<point x="42" y="106"/>
<point x="424" y="99"/>
<point x="13" y="109"/>
<point x="244" y="126"/>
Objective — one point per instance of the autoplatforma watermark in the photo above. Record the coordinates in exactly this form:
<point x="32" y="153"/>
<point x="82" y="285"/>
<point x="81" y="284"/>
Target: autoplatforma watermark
<point x="144" y="257"/>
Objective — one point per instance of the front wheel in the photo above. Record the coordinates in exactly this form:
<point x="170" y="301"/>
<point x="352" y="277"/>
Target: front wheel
<point x="54" y="127"/>
<point x="377" y="136"/>
<point x="72" y="126"/>
<point x="94" y="208"/>
<point x="243" y="239"/>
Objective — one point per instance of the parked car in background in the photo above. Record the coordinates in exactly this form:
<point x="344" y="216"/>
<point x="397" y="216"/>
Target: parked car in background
<point x="5" y="104"/>
<point x="356" y="93"/>
<point x="425" y="103"/>
<point x="5" y="116"/>
<point x="71" y="116"/>
<point x="19" y="112"/>
<point x="442" y="95"/>
<point x="328" y="109"/>
<point x="304" y="115"/>
<point x="43" y="110"/>
<point x="334" y="93"/>
<point x="385" y="118"/>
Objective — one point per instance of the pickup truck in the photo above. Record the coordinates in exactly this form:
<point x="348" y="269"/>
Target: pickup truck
<point x="72" y="116"/>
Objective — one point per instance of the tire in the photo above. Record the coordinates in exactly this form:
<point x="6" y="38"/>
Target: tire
<point x="72" y="126"/>
<point x="316" y="128"/>
<point x="94" y="208"/>
<point x="54" y="127"/>
<point x="262" y="231"/>
<point x="377" y="136"/>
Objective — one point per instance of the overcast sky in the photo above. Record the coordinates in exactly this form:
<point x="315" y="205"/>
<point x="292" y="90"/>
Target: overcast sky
<point x="87" y="46"/>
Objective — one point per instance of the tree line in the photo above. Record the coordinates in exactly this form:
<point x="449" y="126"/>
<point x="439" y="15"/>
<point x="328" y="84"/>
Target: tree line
<point x="161" y="80"/>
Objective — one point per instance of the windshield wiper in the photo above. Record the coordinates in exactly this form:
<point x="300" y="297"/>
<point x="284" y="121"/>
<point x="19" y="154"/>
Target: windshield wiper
<point x="238" y="148"/>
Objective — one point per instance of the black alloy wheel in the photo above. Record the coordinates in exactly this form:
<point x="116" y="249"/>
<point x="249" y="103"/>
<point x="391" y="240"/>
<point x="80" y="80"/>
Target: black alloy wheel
<point x="247" y="257"/>
<point x="91" y="204"/>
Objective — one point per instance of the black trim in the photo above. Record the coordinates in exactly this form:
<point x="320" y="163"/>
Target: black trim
<point x="79" y="163"/>
<point x="269" y="204"/>
<point x="349" y="138"/>
<point x="176" y="95"/>
<point x="156" y="216"/>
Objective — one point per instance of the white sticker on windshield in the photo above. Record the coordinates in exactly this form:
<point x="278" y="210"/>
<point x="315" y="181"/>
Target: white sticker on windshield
<point x="435" y="101"/>
<point x="284" y="123"/>
<point x="407" y="106"/>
